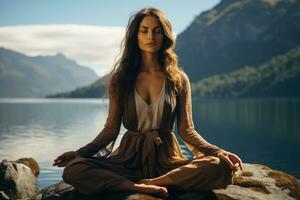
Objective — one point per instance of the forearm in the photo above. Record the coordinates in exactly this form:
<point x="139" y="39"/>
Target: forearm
<point x="88" y="150"/>
<point x="107" y="135"/>
<point x="196" y="140"/>
<point x="186" y="125"/>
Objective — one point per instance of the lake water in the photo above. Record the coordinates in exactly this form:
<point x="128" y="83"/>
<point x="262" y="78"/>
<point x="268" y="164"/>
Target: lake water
<point x="265" y="131"/>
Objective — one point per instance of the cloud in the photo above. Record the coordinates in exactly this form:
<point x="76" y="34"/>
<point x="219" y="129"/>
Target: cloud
<point x="96" y="47"/>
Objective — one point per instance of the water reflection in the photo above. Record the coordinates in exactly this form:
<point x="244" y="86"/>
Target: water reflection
<point x="259" y="130"/>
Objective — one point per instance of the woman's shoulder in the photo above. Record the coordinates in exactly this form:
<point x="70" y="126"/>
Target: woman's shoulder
<point x="184" y="78"/>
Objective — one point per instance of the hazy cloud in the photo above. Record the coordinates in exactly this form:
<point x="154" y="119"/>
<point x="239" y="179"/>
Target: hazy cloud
<point x="93" y="46"/>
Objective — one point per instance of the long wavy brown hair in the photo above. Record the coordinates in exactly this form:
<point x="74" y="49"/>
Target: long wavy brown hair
<point x="125" y="71"/>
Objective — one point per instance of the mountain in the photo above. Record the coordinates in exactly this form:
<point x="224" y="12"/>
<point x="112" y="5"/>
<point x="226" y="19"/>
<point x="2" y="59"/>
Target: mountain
<point x="25" y="76"/>
<point x="94" y="90"/>
<point x="237" y="33"/>
<point x="238" y="48"/>
<point x="278" y="77"/>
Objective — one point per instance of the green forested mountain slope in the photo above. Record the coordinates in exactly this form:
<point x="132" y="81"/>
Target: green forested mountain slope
<point x="94" y="90"/>
<point x="278" y="77"/>
<point x="236" y="33"/>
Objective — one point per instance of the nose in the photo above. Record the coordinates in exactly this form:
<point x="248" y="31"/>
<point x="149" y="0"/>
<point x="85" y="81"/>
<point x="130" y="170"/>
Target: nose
<point x="150" y="34"/>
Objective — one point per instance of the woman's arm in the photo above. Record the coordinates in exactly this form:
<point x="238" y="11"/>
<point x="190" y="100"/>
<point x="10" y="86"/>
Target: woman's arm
<point x="189" y="134"/>
<point x="185" y="123"/>
<point x="108" y="133"/>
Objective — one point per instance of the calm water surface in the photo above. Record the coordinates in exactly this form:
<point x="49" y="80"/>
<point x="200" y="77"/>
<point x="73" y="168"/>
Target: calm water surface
<point x="265" y="131"/>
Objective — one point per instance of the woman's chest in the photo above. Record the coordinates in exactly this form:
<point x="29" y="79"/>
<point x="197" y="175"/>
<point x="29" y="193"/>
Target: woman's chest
<point x="150" y="87"/>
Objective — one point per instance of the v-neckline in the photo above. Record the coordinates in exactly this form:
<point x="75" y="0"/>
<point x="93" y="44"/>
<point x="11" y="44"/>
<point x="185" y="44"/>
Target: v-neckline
<point x="156" y="97"/>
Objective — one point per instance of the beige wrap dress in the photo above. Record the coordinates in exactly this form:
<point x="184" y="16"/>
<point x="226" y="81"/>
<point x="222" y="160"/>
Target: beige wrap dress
<point x="149" y="147"/>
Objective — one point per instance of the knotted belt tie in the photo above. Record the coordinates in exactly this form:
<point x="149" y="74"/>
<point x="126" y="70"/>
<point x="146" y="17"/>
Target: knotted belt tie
<point x="147" y="141"/>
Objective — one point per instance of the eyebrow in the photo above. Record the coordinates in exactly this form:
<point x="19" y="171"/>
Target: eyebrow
<point x="148" y="27"/>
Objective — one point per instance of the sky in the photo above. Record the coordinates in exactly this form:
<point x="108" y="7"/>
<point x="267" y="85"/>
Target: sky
<point x="89" y="32"/>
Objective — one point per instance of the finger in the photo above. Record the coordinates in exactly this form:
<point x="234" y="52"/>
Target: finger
<point x="241" y="166"/>
<point x="237" y="161"/>
<point x="228" y="161"/>
<point x="59" y="157"/>
<point x="233" y="157"/>
<point x="59" y="164"/>
<point x="62" y="164"/>
<point x="226" y="158"/>
<point x="56" y="163"/>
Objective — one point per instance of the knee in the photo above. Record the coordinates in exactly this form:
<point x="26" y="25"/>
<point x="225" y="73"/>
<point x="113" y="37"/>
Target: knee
<point x="227" y="173"/>
<point x="221" y="170"/>
<point x="207" y="166"/>
<point x="218" y="166"/>
<point x="70" y="173"/>
<point x="67" y="174"/>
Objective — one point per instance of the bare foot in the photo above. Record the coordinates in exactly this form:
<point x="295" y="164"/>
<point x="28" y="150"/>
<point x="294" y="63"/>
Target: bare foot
<point x="159" y="181"/>
<point x="152" y="189"/>
<point x="145" y="181"/>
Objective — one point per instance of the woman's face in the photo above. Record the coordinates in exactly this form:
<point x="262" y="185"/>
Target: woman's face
<point x="150" y="35"/>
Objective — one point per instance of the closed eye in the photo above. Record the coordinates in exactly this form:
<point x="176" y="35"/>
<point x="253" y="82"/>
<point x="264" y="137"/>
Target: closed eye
<point x="158" y="30"/>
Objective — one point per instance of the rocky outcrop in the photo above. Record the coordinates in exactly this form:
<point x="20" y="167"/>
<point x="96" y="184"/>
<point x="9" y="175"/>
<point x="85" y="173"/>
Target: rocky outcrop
<point x="260" y="182"/>
<point x="17" y="181"/>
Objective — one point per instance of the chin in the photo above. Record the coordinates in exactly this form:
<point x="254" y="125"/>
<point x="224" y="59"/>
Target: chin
<point x="150" y="50"/>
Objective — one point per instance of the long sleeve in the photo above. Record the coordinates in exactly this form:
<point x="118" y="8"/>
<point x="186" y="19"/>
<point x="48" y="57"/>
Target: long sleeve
<point x="108" y="134"/>
<point x="194" y="141"/>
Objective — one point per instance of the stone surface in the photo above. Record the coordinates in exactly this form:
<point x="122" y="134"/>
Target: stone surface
<point x="31" y="163"/>
<point x="262" y="183"/>
<point x="17" y="180"/>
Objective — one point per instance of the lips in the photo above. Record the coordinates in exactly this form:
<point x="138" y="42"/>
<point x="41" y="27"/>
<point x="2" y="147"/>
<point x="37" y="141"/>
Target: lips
<point x="151" y="44"/>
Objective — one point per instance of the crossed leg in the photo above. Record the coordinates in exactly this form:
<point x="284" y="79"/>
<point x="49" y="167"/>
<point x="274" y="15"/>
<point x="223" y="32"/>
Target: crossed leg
<point x="205" y="173"/>
<point x="199" y="174"/>
<point x="88" y="178"/>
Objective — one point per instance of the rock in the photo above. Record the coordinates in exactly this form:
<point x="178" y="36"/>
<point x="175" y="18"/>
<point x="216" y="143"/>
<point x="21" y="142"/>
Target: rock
<point x="260" y="182"/>
<point x="17" y="180"/>
<point x="31" y="163"/>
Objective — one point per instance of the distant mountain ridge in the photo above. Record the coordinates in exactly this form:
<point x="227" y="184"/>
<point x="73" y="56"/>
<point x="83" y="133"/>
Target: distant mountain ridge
<point x="25" y="76"/>
<point x="238" y="33"/>
<point x="239" y="48"/>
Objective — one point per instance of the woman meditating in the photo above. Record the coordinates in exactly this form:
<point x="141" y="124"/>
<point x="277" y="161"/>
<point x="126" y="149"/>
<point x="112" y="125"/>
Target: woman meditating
<point x="147" y="91"/>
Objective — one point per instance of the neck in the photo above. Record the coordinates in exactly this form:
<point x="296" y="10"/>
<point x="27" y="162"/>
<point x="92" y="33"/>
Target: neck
<point x="149" y="62"/>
